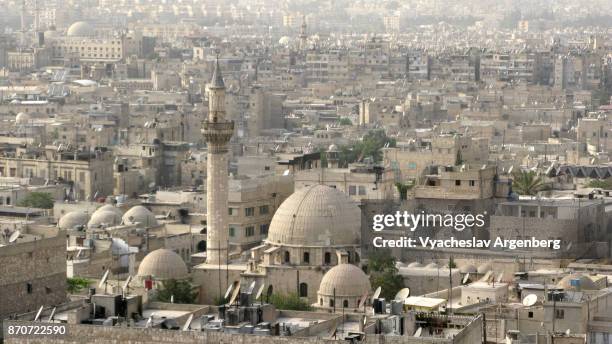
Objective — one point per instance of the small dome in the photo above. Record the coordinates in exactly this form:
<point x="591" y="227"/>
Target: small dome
<point x="484" y="268"/>
<point x="468" y="268"/>
<point x="431" y="265"/>
<point x="80" y="29"/>
<point x="332" y="148"/>
<point x="577" y="282"/>
<point x="103" y="218"/>
<point x="109" y="207"/>
<point x="73" y="219"/>
<point x="415" y="265"/>
<point x="163" y="264"/>
<point x="140" y="214"/>
<point x="22" y="118"/>
<point x="316" y="215"/>
<point x="347" y="279"/>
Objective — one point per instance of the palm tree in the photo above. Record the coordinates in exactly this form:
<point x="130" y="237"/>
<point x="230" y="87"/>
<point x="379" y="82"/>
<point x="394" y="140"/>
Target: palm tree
<point x="527" y="183"/>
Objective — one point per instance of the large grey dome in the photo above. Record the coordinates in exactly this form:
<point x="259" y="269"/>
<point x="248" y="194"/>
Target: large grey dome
<point x="104" y="218"/>
<point x="346" y="280"/>
<point x="163" y="264"/>
<point x="73" y="219"/>
<point x="317" y="215"/>
<point x="140" y="214"/>
<point x="80" y="29"/>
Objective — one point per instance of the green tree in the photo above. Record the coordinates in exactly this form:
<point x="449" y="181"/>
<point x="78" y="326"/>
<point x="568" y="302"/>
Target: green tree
<point x="180" y="289"/>
<point x="458" y="158"/>
<point x="43" y="200"/>
<point x="345" y="121"/>
<point x="370" y="146"/>
<point x="76" y="284"/>
<point x="527" y="183"/>
<point x="403" y="190"/>
<point x="383" y="273"/>
<point x="602" y="184"/>
<point x="289" y="302"/>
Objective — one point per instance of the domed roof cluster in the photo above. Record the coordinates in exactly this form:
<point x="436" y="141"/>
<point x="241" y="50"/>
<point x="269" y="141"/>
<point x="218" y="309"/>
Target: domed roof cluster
<point x="73" y="219"/>
<point x="140" y="214"/>
<point x="348" y="280"/>
<point x="80" y="29"/>
<point x="105" y="216"/>
<point x="163" y="264"/>
<point x="317" y="215"/>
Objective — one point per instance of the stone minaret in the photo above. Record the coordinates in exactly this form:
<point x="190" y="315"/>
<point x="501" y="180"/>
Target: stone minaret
<point x="217" y="131"/>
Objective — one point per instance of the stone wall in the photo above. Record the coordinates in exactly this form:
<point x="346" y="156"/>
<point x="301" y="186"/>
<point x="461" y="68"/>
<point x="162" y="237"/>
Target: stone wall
<point x="33" y="274"/>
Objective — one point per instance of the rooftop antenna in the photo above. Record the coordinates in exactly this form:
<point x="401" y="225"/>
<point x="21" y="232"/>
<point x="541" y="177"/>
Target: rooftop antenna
<point x="37" y="317"/>
<point x="14" y="236"/>
<point x="52" y="314"/>
<point x="188" y="322"/>
<point x="104" y="280"/>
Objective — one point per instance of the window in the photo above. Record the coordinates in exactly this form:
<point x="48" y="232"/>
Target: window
<point x="263" y="210"/>
<point x="530" y="314"/>
<point x="472" y="183"/>
<point x="232" y="211"/>
<point x="303" y="290"/>
<point x="457" y="182"/>
<point x="249" y="231"/>
<point x="306" y="257"/>
<point x="249" y="211"/>
<point x="29" y="287"/>
<point x="263" y="229"/>
<point x="327" y="258"/>
<point x="331" y="302"/>
<point x="559" y="313"/>
<point x="232" y="231"/>
<point x="362" y="190"/>
<point x="345" y="303"/>
<point x="352" y="190"/>
<point x="287" y="257"/>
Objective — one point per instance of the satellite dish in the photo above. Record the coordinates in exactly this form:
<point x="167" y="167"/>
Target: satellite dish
<point x="104" y="279"/>
<point x="171" y="298"/>
<point x="363" y="300"/>
<point x="376" y="293"/>
<point x="530" y="300"/>
<point x="38" y="313"/>
<point x="251" y="288"/>
<point x="569" y="246"/>
<point x="150" y="320"/>
<point x="229" y="290"/>
<point x="52" y="314"/>
<point x="402" y="294"/>
<point x="487" y="276"/>
<point x="499" y="278"/>
<point x="418" y="332"/>
<point x="286" y="173"/>
<point x="14" y="236"/>
<point x="235" y="294"/>
<point x="79" y="252"/>
<point x="259" y="292"/>
<point x="127" y="283"/>
<point x="365" y="320"/>
<point x="188" y="322"/>
<point x="465" y="278"/>
<point x="567" y="332"/>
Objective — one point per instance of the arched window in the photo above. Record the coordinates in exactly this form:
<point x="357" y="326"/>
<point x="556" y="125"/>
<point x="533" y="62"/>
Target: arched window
<point x="327" y="258"/>
<point x="303" y="290"/>
<point x="306" y="258"/>
<point x="331" y="302"/>
<point x="201" y="247"/>
<point x="321" y="301"/>
<point x="345" y="304"/>
<point x="287" y="257"/>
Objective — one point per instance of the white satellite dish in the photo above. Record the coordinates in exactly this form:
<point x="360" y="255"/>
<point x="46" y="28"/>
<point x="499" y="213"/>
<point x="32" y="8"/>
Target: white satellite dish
<point x="363" y="300"/>
<point x="365" y="320"/>
<point x="104" y="279"/>
<point x="530" y="300"/>
<point x="251" y="288"/>
<point x="188" y="322"/>
<point x="171" y="298"/>
<point x="127" y="284"/>
<point x="38" y="313"/>
<point x="465" y="278"/>
<point x="229" y="289"/>
<point x="418" y="332"/>
<point x="567" y="332"/>
<point x="499" y="278"/>
<point x="235" y="294"/>
<point x="402" y="294"/>
<point x="487" y="276"/>
<point x="259" y="292"/>
<point x="14" y="236"/>
<point x="52" y="314"/>
<point x="376" y="293"/>
<point x="150" y="320"/>
<point x="286" y="173"/>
